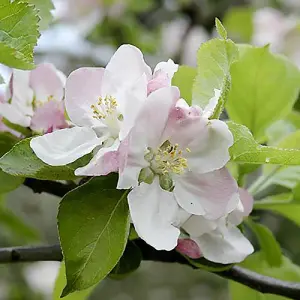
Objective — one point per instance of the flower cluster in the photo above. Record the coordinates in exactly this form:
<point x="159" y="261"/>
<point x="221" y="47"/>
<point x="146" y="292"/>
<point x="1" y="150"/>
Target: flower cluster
<point x="171" y="156"/>
<point x="35" y="99"/>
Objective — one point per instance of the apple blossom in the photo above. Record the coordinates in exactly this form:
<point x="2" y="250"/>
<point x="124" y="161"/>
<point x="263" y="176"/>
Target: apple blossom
<point x="35" y="99"/>
<point x="174" y="158"/>
<point x="103" y="104"/>
<point x="218" y="240"/>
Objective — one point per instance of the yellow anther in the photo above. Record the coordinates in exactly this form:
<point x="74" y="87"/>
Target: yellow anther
<point x="104" y="107"/>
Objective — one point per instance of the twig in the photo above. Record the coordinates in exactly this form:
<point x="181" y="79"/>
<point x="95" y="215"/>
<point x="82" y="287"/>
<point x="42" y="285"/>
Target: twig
<point x="261" y="283"/>
<point x="51" y="187"/>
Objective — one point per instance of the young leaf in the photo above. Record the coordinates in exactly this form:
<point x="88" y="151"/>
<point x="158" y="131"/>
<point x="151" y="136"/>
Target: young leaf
<point x="61" y="282"/>
<point x="264" y="88"/>
<point x="18" y="34"/>
<point x="129" y="262"/>
<point x="21" y="161"/>
<point x="7" y="141"/>
<point x="213" y="72"/>
<point x="44" y="8"/>
<point x="221" y="29"/>
<point x="268" y="244"/>
<point x="246" y="150"/>
<point x="93" y="224"/>
<point x="257" y="263"/>
<point x="184" y="80"/>
<point x="9" y="183"/>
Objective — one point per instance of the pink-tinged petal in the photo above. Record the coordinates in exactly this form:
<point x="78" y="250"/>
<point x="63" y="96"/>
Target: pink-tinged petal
<point x="131" y="161"/>
<point x="21" y="93"/>
<point x="243" y="209"/>
<point x="147" y="132"/>
<point x="224" y="247"/>
<point x="212" y="104"/>
<point x="127" y="65"/>
<point x="189" y="248"/>
<point x="167" y="67"/>
<point x="210" y="147"/>
<point x="130" y="103"/>
<point x="154" y="115"/>
<point x="152" y="212"/>
<point x="14" y="115"/>
<point x="83" y="89"/>
<point x="47" y="83"/>
<point x="104" y="162"/>
<point x="64" y="146"/>
<point x="247" y="201"/>
<point x="160" y="80"/>
<point x="212" y="194"/>
<point x="49" y="117"/>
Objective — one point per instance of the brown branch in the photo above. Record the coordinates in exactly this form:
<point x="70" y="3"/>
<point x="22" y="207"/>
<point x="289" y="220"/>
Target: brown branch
<point x="261" y="283"/>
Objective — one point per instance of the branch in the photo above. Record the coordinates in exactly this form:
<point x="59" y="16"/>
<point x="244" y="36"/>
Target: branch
<point x="261" y="283"/>
<point x="51" y="187"/>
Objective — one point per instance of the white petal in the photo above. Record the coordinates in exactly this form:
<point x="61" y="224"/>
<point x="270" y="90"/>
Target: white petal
<point x="46" y="81"/>
<point x="127" y="65"/>
<point x="64" y="146"/>
<point x="210" y="107"/>
<point x="210" y="150"/>
<point x="104" y="162"/>
<point x="198" y="225"/>
<point x="224" y="248"/>
<point x="152" y="212"/>
<point x="14" y="115"/>
<point x="168" y="67"/>
<point x="83" y="88"/>
<point x="212" y="194"/>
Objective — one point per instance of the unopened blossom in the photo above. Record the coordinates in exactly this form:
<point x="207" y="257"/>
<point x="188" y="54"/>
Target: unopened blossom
<point x="174" y="158"/>
<point x="219" y="240"/>
<point x="103" y="105"/>
<point x="35" y="99"/>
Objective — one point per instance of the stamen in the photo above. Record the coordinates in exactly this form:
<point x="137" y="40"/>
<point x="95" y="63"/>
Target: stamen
<point x="104" y="107"/>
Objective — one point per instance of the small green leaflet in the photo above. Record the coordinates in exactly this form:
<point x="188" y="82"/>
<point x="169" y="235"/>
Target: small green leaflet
<point x="246" y="150"/>
<point x="18" y="34"/>
<point x="214" y="60"/>
<point x="221" y="29"/>
<point x="93" y="224"/>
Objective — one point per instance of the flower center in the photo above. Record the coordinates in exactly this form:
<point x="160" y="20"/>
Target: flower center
<point x="105" y="107"/>
<point x="169" y="159"/>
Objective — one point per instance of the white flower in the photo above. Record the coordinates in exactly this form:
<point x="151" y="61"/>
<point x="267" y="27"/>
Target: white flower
<point x="219" y="240"/>
<point x="179" y="156"/>
<point x="35" y="99"/>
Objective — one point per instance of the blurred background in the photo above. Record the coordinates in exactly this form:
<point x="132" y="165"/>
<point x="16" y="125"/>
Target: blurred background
<point x="86" y="33"/>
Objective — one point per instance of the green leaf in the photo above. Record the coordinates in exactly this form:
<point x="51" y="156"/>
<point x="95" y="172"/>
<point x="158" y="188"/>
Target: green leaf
<point x="246" y="150"/>
<point x="221" y="29"/>
<point x="184" y="79"/>
<point x="44" y="8"/>
<point x="266" y="93"/>
<point x="18" y="34"/>
<point x="9" y="183"/>
<point x="239" y="23"/>
<point x="93" y="223"/>
<point x="268" y="244"/>
<point x="21" y="161"/>
<point x="256" y="262"/>
<point x="129" y="262"/>
<point x="7" y="141"/>
<point x="17" y="227"/>
<point x="213" y="72"/>
<point x="61" y="282"/>
<point x="283" y="204"/>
